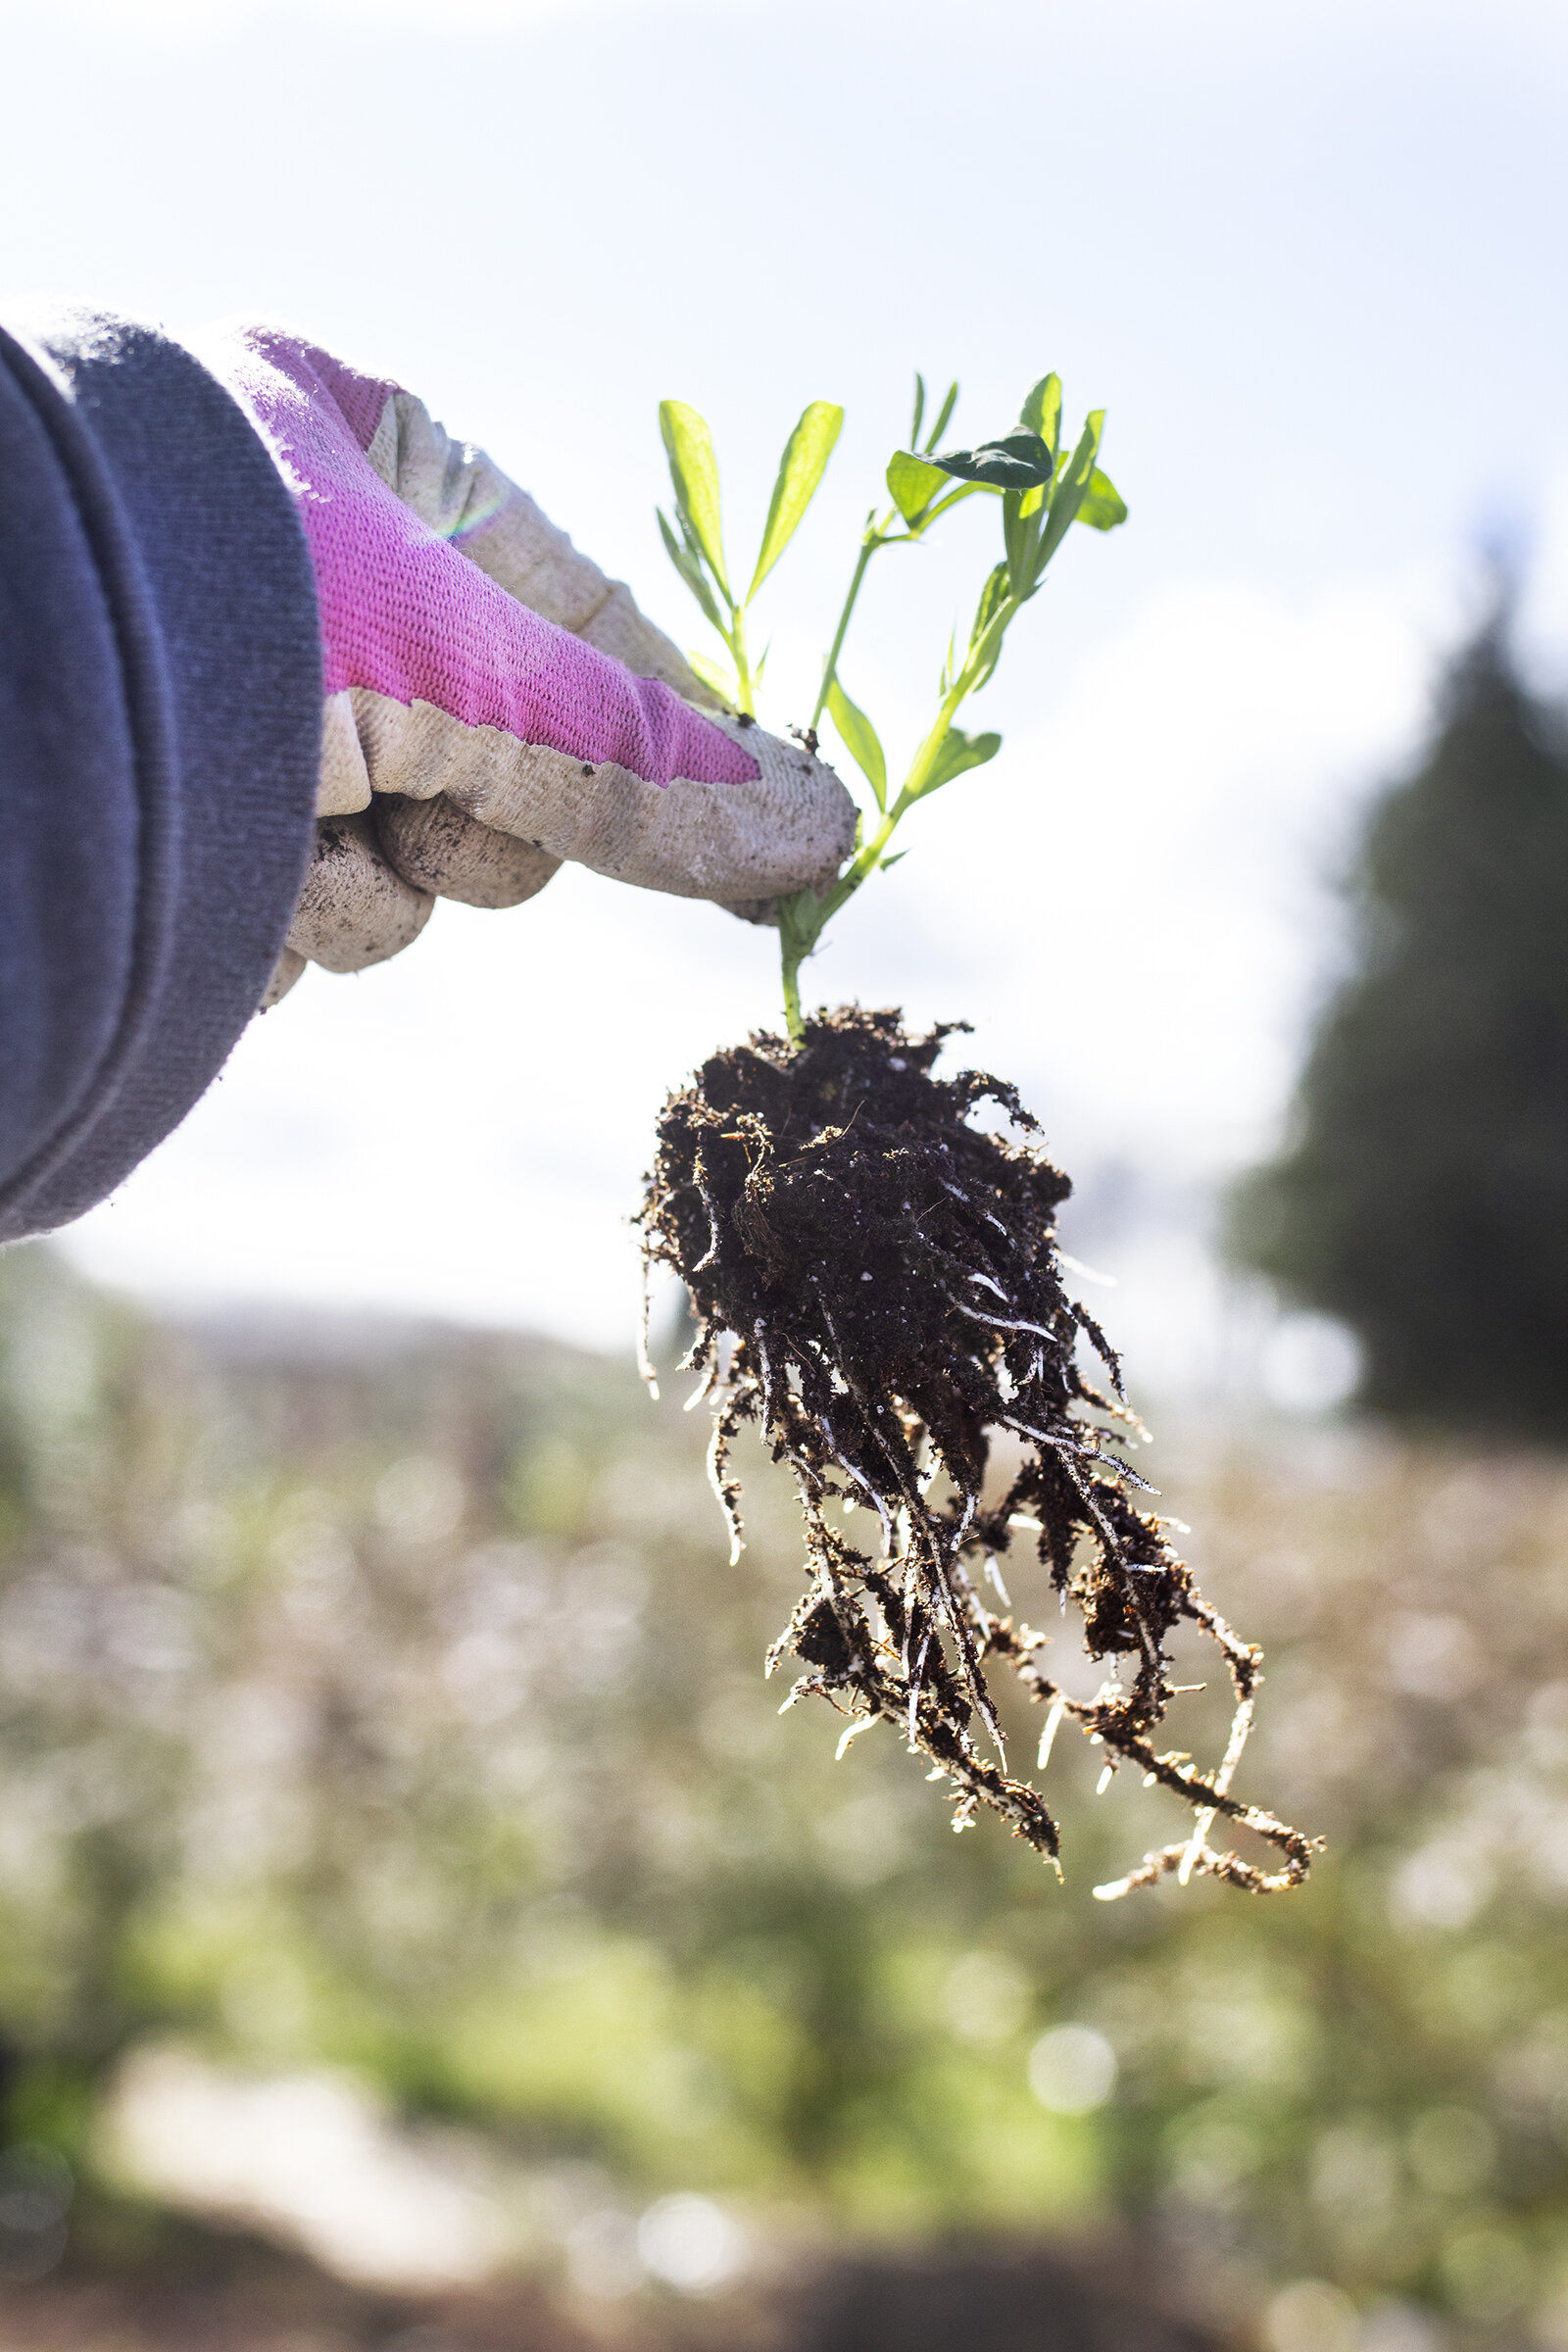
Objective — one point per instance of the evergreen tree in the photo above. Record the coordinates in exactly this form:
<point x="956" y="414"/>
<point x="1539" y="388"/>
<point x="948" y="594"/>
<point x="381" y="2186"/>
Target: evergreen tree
<point x="1424" y="1195"/>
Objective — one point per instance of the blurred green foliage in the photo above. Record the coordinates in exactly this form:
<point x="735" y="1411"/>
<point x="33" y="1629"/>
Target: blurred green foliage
<point x="1423" y="1198"/>
<point x="383" y="1698"/>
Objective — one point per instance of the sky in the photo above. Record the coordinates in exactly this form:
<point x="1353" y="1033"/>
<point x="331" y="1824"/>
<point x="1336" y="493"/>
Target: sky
<point x="1310" y="262"/>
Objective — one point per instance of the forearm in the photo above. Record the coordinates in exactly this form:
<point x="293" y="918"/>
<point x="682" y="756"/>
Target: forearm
<point x="160" y="684"/>
<point x="249" y="588"/>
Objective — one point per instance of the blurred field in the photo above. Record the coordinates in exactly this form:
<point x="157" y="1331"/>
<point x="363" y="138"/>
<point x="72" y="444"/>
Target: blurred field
<point x="382" y="1727"/>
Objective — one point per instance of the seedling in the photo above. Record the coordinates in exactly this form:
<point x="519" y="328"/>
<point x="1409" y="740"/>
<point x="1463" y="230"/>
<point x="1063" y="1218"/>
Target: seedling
<point x="875" y="1279"/>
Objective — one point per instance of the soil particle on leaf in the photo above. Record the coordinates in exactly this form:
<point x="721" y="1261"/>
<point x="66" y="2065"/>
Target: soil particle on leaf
<point x="876" y="1287"/>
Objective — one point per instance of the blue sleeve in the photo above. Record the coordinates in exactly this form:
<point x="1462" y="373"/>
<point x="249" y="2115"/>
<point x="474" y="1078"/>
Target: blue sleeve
<point x="160" y="725"/>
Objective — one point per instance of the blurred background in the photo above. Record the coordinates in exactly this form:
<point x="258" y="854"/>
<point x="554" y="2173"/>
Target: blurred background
<point x="418" y="1926"/>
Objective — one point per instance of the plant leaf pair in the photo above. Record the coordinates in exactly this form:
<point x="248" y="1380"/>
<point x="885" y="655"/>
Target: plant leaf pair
<point x="694" y="477"/>
<point x="950" y="403"/>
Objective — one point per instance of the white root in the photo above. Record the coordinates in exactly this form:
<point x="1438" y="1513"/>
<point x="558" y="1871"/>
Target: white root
<point x="1047" y="1737"/>
<point x="916" y="1684"/>
<point x="645" y="1362"/>
<point x="999" y="1322"/>
<point x="1241" y="1726"/>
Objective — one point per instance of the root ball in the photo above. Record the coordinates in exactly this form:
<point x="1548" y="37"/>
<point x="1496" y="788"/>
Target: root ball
<point x="876" y="1286"/>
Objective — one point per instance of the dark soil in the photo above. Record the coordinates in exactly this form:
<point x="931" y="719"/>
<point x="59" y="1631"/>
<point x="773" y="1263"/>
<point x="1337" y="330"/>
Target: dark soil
<point x="876" y="1286"/>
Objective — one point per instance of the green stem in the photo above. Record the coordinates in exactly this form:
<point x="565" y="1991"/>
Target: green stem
<point x="803" y="916"/>
<point x="745" y="694"/>
<point x="868" y="546"/>
<point x="799" y="923"/>
<point x="792" y="994"/>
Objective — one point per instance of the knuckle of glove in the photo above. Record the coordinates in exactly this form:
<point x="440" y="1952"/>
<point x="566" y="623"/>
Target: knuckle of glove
<point x="448" y="797"/>
<point x="437" y="848"/>
<point x="353" y="909"/>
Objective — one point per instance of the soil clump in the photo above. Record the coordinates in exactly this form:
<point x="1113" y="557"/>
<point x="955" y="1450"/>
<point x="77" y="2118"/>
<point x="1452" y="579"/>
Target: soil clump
<point x="876" y="1286"/>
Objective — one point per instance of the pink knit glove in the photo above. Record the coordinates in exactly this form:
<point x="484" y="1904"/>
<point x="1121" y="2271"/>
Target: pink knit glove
<point x="494" y="705"/>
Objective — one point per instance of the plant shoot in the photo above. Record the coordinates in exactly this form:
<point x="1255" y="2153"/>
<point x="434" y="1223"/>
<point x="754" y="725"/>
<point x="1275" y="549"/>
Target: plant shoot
<point x="875" y="1278"/>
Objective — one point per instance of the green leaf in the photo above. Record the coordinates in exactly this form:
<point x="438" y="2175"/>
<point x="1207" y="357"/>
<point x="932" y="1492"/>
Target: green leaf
<point x="693" y="472"/>
<point x="1073" y="487"/>
<point x="1104" y="508"/>
<point x="959" y="752"/>
<point x="991" y="596"/>
<point x="919" y="409"/>
<point x="806" y="456"/>
<point x="1017" y="461"/>
<point x="979" y="667"/>
<point x="691" y="571"/>
<point x="944" y="416"/>
<point x="714" y="676"/>
<point x="1042" y="412"/>
<point x="884" y="863"/>
<point x="913" y="482"/>
<point x="861" y="740"/>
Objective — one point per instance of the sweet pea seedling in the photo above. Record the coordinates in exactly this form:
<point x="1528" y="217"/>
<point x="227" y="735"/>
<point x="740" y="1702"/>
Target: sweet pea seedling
<point x="1044" y="486"/>
<point x="875" y="1279"/>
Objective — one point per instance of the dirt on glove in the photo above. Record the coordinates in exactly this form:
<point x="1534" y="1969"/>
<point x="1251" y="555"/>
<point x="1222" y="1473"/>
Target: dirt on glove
<point x="876" y="1284"/>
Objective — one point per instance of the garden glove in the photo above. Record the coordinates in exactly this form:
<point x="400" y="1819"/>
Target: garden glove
<point x="492" y="704"/>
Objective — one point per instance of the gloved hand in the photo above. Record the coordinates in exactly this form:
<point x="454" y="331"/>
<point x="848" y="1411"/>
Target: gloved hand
<point x="494" y="705"/>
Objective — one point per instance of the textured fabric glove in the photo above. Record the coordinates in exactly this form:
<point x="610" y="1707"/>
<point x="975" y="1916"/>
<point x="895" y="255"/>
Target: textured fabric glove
<point x="494" y="705"/>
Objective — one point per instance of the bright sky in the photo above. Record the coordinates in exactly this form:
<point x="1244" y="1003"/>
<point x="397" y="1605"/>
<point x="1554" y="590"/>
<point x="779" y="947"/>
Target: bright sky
<point x="1309" y="258"/>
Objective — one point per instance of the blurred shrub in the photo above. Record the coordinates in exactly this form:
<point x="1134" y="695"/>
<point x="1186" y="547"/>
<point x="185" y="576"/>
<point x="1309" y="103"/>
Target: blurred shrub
<point x="383" y="1697"/>
<point x="1423" y="1199"/>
